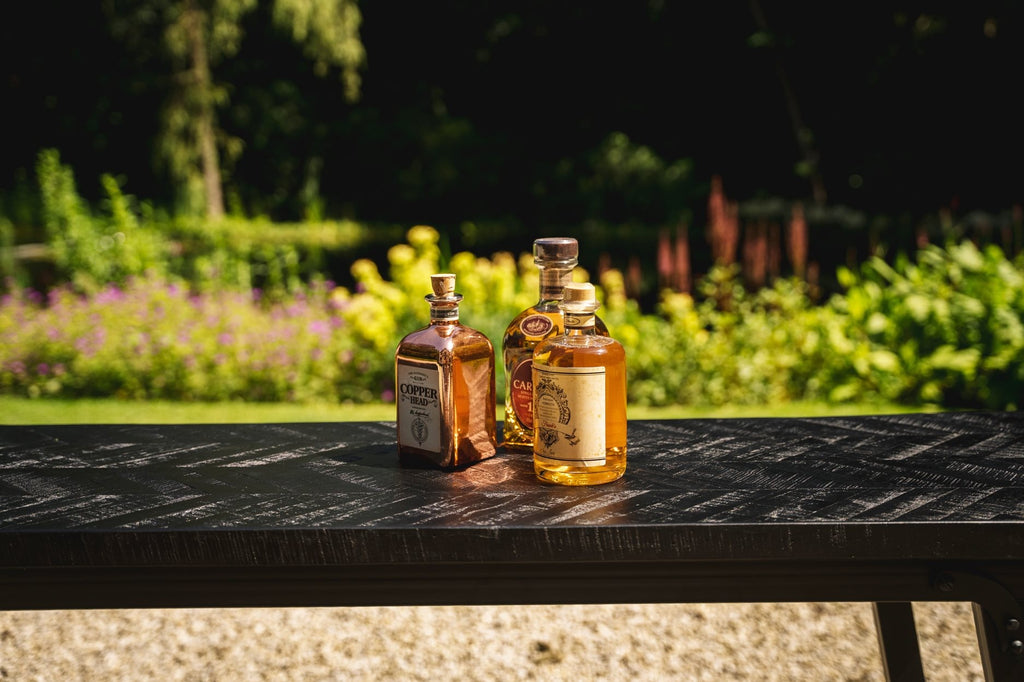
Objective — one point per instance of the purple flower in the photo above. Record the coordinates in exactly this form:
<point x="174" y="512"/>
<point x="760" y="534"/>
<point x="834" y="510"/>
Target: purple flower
<point x="110" y="294"/>
<point x="319" y="327"/>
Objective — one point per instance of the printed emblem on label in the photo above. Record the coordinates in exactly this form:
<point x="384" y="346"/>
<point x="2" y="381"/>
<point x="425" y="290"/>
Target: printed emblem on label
<point x="522" y="392"/>
<point x="420" y="430"/>
<point x="536" y="325"/>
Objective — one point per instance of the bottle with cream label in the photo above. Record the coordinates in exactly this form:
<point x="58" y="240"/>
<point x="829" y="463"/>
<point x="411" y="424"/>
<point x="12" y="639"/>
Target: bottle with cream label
<point x="579" y="398"/>
<point x="445" y="387"/>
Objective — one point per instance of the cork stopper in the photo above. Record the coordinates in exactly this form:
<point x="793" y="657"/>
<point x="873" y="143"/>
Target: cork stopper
<point x="579" y="292"/>
<point x="443" y="284"/>
<point x="556" y="250"/>
<point x="578" y="299"/>
<point x="444" y="302"/>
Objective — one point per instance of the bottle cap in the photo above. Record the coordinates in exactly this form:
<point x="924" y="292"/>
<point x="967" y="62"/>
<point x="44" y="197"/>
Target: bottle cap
<point x="564" y="250"/>
<point x="579" y="292"/>
<point x="579" y="297"/>
<point x="443" y="284"/>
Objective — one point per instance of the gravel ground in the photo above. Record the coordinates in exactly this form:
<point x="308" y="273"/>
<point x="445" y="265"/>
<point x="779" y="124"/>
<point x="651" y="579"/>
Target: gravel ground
<point x="763" y="642"/>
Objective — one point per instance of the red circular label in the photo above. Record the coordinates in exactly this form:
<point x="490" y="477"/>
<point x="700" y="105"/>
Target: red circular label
<point x="522" y="392"/>
<point x="536" y="325"/>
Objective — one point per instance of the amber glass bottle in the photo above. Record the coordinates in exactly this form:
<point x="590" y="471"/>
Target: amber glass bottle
<point x="555" y="258"/>
<point x="445" y="388"/>
<point x="579" y="380"/>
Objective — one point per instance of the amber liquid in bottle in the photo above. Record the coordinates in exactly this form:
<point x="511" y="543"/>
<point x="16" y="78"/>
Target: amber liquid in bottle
<point x="555" y="258"/>
<point x="580" y="399"/>
<point x="445" y="388"/>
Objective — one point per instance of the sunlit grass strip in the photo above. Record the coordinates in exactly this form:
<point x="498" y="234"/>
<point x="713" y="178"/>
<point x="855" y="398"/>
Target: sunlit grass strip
<point x="15" y="410"/>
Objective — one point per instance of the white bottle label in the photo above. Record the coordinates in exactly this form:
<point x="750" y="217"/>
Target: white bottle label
<point x="419" y="406"/>
<point x="569" y="415"/>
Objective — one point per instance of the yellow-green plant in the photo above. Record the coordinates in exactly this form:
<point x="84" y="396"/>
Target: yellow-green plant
<point x="946" y="328"/>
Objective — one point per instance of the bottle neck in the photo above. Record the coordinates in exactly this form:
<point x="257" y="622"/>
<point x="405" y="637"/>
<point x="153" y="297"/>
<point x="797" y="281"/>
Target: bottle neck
<point x="553" y="279"/>
<point x="580" y="324"/>
<point x="444" y="310"/>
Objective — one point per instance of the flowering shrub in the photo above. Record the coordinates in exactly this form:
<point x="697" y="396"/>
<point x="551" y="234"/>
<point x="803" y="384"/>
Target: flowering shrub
<point x="159" y="338"/>
<point x="154" y="339"/>
<point x="730" y="347"/>
<point x="948" y="329"/>
<point x="382" y="312"/>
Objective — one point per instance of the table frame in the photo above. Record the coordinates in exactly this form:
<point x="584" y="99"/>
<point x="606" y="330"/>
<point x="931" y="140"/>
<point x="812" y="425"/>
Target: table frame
<point x="54" y="555"/>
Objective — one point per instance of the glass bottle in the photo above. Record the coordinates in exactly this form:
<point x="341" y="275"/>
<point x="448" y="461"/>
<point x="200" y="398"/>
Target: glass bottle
<point x="579" y="380"/>
<point x="555" y="258"/>
<point x="444" y="387"/>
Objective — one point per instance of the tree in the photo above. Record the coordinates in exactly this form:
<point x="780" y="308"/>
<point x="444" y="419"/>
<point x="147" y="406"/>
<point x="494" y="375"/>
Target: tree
<point x="197" y="35"/>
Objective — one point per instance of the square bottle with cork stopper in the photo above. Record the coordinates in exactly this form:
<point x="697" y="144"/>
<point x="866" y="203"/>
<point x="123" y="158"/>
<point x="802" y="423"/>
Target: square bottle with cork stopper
<point x="445" y="387"/>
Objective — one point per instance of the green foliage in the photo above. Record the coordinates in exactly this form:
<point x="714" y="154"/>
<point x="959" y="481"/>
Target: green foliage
<point x="8" y="268"/>
<point x="947" y="329"/>
<point x="237" y="253"/>
<point x="627" y="181"/>
<point x="198" y="38"/>
<point x="220" y="20"/>
<point x="127" y="239"/>
<point x="329" y="34"/>
<point x="94" y="250"/>
<point x="731" y="347"/>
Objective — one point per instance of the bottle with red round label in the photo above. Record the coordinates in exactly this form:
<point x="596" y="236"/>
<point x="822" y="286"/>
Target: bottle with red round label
<point x="556" y="257"/>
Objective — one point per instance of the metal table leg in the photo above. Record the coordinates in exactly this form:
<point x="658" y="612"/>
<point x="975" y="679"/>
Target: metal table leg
<point x="897" y="639"/>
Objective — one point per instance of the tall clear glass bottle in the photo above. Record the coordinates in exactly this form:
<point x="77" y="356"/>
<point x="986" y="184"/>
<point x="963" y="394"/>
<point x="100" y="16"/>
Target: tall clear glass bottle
<point x="579" y="380"/>
<point x="555" y="258"/>
<point x="445" y="387"/>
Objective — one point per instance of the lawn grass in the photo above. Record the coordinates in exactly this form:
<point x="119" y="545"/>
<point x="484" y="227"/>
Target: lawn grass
<point x="15" y="410"/>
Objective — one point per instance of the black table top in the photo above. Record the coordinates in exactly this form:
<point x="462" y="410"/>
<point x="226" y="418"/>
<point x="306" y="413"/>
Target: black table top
<point x="920" y="486"/>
